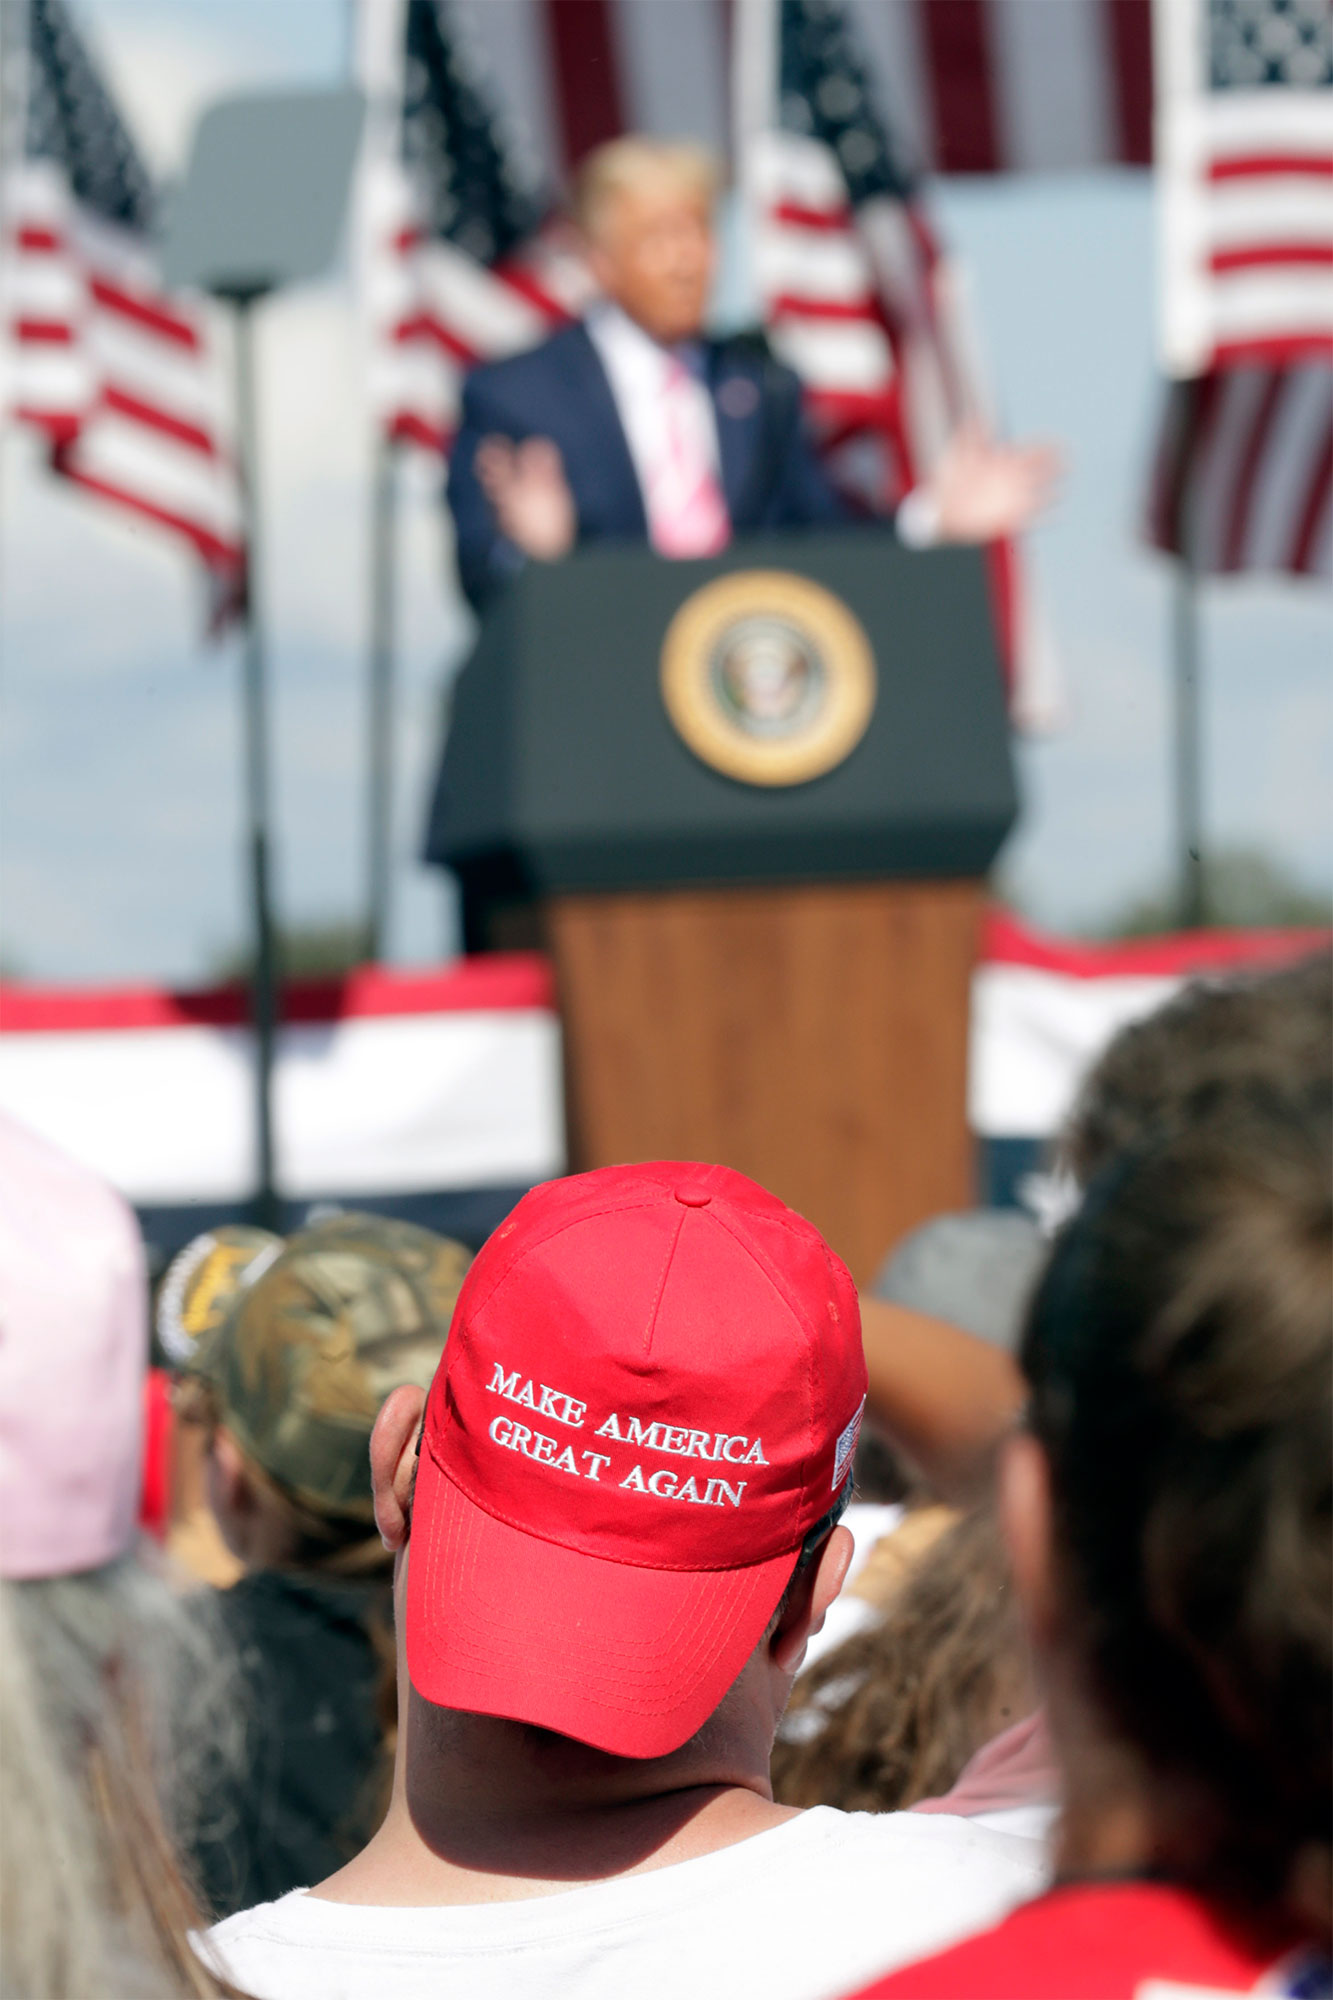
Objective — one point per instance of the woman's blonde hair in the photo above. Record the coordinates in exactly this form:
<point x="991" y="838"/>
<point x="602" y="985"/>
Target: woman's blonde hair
<point x="112" y="1699"/>
<point x="894" y="1713"/>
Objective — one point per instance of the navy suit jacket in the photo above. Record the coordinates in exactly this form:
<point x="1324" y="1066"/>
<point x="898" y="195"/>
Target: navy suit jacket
<point x="770" y="476"/>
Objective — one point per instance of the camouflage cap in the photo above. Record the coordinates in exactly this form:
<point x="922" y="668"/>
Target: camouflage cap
<point x="302" y="1340"/>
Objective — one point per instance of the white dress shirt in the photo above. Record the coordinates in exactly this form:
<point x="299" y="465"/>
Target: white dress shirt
<point x="667" y="416"/>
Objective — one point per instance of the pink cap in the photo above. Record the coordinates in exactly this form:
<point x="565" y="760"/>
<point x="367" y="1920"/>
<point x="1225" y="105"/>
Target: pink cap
<point x="73" y="1350"/>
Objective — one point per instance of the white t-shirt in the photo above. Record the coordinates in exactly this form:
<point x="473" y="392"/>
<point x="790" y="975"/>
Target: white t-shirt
<point x="811" y="1908"/>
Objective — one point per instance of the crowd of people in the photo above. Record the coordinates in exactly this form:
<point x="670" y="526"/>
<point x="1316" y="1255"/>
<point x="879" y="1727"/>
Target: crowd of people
<point x="630" y="1608"/>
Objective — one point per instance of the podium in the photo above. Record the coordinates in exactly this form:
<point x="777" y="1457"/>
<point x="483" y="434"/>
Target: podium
<point x="755" y="965"/>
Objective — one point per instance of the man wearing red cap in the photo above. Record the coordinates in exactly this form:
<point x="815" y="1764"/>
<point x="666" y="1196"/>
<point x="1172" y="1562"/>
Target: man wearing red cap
<point x="616" y="1515"/>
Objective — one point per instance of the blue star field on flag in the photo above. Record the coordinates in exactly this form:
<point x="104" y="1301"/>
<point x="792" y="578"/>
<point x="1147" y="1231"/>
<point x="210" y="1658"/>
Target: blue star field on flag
<point x="471" y="192"/>
<point x="72" y="120"/>
<point x="825" y="94"/>
<point x="1267" y="44"/>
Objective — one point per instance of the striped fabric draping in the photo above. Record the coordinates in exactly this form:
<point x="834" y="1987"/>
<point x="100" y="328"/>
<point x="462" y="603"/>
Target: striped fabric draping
<point x="391" y="1084"/>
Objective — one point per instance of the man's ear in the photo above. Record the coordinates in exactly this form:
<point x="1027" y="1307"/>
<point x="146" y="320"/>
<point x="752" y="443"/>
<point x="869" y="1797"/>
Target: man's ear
<point x="1023" y="1491"/>
<point x="816" y="1590"/>
<point x="393" y="1462"/>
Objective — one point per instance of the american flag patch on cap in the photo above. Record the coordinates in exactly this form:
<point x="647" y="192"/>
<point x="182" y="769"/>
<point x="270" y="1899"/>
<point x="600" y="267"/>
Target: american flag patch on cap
<point x="842" y="1457"/>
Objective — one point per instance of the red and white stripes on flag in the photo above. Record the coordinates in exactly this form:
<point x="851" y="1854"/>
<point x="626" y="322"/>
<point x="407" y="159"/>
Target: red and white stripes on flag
<point x="1243" y="476"/>
<point x="1244" y="473"/>
<point x="973" y="86"/>
<point x="1245" y="196"/>
<point x="120" y="378"/>
<point x="856" y="292"/>
<point x="446" y="313"/>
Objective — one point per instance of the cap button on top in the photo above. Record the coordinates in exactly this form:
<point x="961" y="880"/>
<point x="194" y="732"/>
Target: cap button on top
<point x="690" y="1195"/>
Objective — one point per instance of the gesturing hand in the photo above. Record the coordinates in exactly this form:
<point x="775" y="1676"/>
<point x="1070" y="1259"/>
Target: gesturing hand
<point x="985" y="490"/>
<point x="526" y="485"/>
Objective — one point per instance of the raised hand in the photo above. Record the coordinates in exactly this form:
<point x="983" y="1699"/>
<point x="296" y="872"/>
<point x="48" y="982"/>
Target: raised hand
<point x="526" y="485"/>
<point x="985" y="490"/>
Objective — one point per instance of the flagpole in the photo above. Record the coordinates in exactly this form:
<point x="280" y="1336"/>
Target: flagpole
<point x="1188" y="748"/>
<point x="1187" y="664"/>
<point x="376" y="37"/>
<point x="264" y="974"/>
<point x="381" y="691"/>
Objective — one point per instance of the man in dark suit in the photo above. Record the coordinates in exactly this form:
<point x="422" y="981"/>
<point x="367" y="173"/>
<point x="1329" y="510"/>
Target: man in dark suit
<point x="632" y="425"/>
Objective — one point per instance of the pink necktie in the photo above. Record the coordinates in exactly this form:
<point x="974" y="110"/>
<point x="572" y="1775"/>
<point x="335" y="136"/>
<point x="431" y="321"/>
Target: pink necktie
<point x="687" y="513"/>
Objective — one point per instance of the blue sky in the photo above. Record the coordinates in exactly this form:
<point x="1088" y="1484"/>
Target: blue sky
<point x="119" y="841"/>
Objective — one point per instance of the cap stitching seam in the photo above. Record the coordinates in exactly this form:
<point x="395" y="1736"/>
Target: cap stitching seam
<point x="651" y="1327"/>
<point x="561" y="1229"/>
<point x="805" y="1326"/>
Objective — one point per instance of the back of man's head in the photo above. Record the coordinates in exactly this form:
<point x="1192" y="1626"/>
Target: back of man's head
<point x="647" y="1410"/>
<point x="1269" y="1033"/>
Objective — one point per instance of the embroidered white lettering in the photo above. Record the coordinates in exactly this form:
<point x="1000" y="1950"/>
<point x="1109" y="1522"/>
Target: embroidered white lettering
<point x="662" y="1485"/>
<point x="678" y="1442"/>
<point x="548" y="1402"/>
<point x="599" y="1459"/>
<point x="542" y="1449"/>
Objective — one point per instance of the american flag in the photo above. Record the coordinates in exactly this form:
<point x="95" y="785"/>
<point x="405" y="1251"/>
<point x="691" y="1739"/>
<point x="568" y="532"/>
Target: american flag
<point x="120" y="378"/>
<point x="857" y="293"/>
<point x="468" y="260"/>
<point x="1243" y="478"/>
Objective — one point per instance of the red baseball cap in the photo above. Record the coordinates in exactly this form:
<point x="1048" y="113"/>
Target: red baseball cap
<point x="649" y="1396"/>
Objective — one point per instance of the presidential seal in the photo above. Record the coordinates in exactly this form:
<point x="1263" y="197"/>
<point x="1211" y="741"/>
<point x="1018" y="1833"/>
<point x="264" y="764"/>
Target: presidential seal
<point x="768" y="677"/>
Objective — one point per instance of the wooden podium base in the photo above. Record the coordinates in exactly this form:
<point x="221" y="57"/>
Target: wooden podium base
<point x="814" y="1037"/>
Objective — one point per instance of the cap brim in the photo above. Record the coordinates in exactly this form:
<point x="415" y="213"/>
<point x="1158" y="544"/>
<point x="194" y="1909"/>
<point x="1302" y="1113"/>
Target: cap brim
<point x="630" y="1660"/>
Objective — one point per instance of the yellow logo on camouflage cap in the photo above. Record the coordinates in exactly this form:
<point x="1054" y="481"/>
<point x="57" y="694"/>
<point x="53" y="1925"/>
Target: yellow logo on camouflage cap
<point x="202" y="1284"/>
<point x="768" y="677"/>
